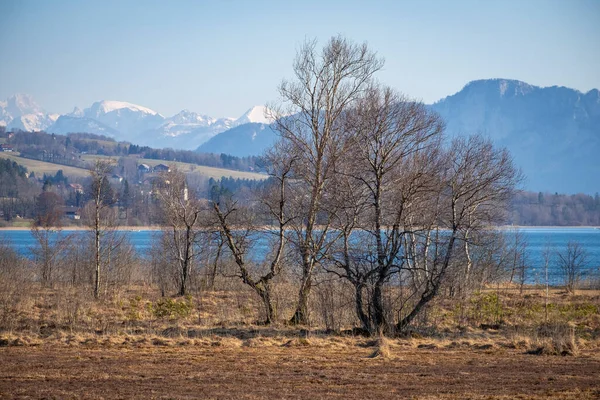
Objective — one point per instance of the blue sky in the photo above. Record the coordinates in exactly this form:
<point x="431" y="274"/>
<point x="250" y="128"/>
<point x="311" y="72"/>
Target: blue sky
<point x="222" y="57"/>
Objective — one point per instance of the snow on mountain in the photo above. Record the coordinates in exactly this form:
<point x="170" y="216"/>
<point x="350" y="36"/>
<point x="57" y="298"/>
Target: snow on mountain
<point x="69" y="124"/>
<point x="108" y="106"/>
<point x="124" y="121"/>
<point x="77" y="112"/>
<point x="254" y="115"/>
<point x="20" y="111"/>
<point x="190" y="117"/>
<point x="128" y="119"/>
<point x="185" y="130"/>
<point x="32" y="122"/>
<point x="21" y="104"/>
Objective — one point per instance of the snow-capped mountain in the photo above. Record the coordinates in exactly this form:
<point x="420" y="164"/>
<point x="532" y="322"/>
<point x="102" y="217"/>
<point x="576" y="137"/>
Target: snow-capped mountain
<point x="126" y="118"/>
<point x="20" y="104"/>
<point x="257" y="114"/>
<point x="32" y="122"/>
<point x="70" y="124"/>
<point x="142" y="125"/>
<point x="20" y="111"/>
<point x="184" y="130"/>
<point x="124" y="121"/>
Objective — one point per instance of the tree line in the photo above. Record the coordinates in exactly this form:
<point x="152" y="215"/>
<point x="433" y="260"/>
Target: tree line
<point x="546" y="209"/>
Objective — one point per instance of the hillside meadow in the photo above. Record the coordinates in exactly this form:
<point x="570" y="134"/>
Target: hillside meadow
<point x="188" y="168"/>
<point x="42" y="167"/>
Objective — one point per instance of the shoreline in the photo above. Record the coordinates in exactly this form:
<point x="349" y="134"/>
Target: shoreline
<point x="82" y="228"/>
<point x="130" y="228"/>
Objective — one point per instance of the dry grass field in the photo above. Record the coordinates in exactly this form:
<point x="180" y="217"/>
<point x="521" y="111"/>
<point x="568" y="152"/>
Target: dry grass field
<point x="259" y="368"/>
<point x="208" y="172"/>
<point x="41" y="167"/>
<point x="58" y="343"/>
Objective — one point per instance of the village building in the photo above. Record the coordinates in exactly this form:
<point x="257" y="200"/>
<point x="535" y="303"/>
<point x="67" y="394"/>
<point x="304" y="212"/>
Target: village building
<point x="144" y="168"/>
<point x="162" y="168"/>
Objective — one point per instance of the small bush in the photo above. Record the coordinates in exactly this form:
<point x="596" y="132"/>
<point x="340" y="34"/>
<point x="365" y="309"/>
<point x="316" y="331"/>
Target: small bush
<point x="172" y="309"/>
<point x="555" y="339"/>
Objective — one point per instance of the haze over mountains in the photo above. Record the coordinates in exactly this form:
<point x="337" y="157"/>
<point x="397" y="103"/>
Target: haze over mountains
<point x="553" y="133"/>
<point x="123" y="121"/>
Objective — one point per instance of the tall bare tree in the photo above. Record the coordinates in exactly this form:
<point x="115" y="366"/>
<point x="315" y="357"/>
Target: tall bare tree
<point x="392" y="162"/>
<point x="309" y="117"/>
<point x="242" y="226"/>
<point x="46" y="231"/>
<point x="477" y="185"/>
<point x="101" y="198"/>
<point x="181" y="211"/>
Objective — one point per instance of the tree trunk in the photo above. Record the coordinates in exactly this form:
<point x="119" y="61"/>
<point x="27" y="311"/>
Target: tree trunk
<point x="301" y="315"/>
<point x="379" y="320"/>
<point x="265" y="295"/>
<point x="360" y="310"/>
<point x="97" y="249"/>
<point x="432" y="291"/>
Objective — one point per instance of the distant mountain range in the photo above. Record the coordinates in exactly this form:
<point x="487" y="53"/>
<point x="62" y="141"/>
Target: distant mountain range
<point x="553" y="133"/>
<point x="123" y="121"/>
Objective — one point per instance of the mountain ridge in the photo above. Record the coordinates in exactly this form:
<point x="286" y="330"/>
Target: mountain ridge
<point x="123" y="121"/>
<point x="552" y="132"/>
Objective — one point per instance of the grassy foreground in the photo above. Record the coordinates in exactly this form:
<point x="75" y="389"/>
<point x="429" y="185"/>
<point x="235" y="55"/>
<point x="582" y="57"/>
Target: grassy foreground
<point x="58" y="343"/>
<point x="257" y="369"/>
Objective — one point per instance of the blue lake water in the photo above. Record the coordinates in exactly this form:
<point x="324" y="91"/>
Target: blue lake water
<point x="537" y="240"/>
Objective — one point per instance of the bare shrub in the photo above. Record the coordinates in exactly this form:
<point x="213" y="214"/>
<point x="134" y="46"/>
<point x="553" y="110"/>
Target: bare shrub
<point x="382" y="348"/>
<point x="15" y="286"/>
<point x="554" y="339"/>
<point x="332" y="305"/>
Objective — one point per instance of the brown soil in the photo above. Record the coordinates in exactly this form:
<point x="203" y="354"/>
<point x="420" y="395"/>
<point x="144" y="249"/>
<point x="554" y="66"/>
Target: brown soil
<point x="293" y="372"/>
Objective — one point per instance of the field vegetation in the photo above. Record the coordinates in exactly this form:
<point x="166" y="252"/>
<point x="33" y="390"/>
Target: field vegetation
<point x="188" y="168"/>
<point x="39" y="168"/>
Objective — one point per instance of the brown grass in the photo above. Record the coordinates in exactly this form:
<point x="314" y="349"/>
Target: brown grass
<point x="42" y="167"/>
<point x="209" y="172"/>
<point x="382" y="348"/>
<point x="222" y="368"/>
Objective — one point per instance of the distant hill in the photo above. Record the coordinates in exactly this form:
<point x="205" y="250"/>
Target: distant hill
<point x="250" y="139"/>
<point x="553" y="133"/>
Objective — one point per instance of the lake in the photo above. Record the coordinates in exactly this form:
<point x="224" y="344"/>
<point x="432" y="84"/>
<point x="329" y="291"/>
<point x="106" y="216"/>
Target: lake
<point x="537" y="239"/>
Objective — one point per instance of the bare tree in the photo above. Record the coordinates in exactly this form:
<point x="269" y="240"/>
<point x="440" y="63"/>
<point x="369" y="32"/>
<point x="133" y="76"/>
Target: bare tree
<point x="181" y="211"/>
<point x="46" y="231"/>
<point x="571" y="261"/>
<point x="517" y="261"/>
<point x="309" y="118"/>
<point x="478" y="183"/>
<point x="393" y="166"/>
<point x="241" y="227"/>
<point x="547" y="256"/>
<point x="101" y="198"/>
